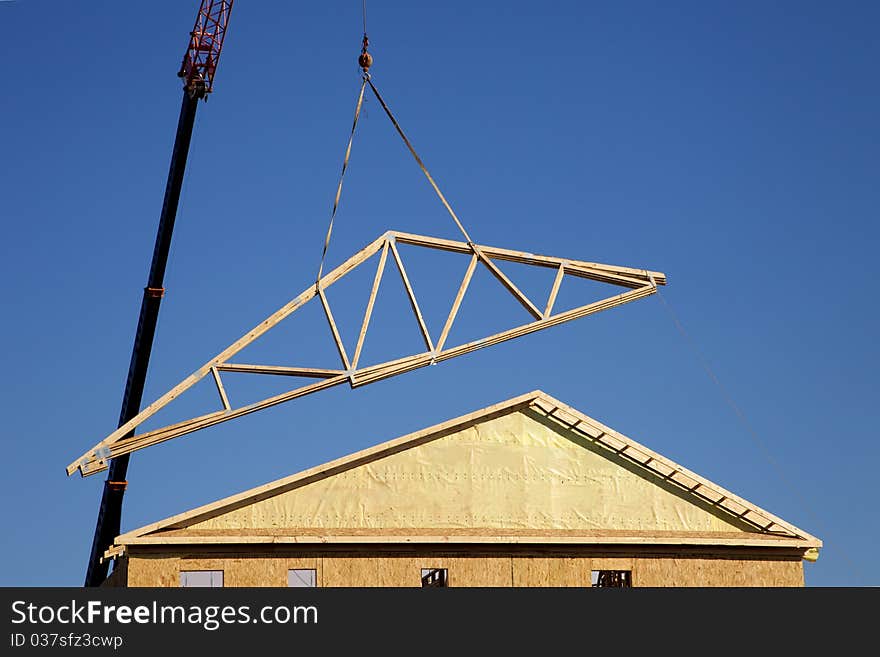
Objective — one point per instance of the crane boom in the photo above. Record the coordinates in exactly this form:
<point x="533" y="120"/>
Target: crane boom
<point x="198" y="69"/>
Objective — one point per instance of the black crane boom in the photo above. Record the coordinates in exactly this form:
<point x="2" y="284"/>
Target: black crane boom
<point x="198" y="68"/>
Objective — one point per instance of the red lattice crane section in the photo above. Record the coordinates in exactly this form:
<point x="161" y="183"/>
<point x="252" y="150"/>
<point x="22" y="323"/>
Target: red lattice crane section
<point x="205" y="44"/>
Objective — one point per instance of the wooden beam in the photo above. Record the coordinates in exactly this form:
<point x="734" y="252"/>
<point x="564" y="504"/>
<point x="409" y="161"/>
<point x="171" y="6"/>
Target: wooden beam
<point x="98" y="459"/>
<point x="306" y="372"/>
<point x="554" y="290"/>
<point x="336" y="338"/>
<point x="147" y="439"/>
<point x="380" y="269"/>
<point x="385" y="371"/>
<point x="220" y="389"/>
<point x="412" y="297"/>
<point x="472" y="265"/>
<point x="473" y="537"/>
<point x="603" y="276"/>
<point x="527" y="258"/>
<point x="393" y="365"/>
<point x="507" y="283"/>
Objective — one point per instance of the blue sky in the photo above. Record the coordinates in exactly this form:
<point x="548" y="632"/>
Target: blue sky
<point x="733" y="146"/>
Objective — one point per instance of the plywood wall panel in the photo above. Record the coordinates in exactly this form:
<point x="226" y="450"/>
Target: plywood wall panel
<point x="349" y="571"/>
<point x="720" y="571"/>
<point x="480" y="571"/>
<point x="555" y="571"/>
<point x="570" y="571"/>
<point x="611" y="563"/>
<point x="257" y="572"/>
<point x="531" y="571"/>
<point x="153" y="570"/>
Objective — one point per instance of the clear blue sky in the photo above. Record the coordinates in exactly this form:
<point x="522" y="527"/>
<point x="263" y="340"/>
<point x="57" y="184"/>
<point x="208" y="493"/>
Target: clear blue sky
<point x="733" y="146"/>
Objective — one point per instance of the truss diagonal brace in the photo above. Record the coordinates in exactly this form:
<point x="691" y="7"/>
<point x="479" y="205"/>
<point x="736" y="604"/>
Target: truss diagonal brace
<point x="640" y="283"/>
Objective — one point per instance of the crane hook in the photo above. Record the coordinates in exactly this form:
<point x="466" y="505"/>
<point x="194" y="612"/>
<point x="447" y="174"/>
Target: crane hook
<point x="366" y="59"/>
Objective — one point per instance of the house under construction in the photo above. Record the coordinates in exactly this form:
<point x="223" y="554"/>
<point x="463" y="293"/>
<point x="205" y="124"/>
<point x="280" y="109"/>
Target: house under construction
<point x="528" y="492"/>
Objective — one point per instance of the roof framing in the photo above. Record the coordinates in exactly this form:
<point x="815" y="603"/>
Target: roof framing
<point x="639" y="283"/>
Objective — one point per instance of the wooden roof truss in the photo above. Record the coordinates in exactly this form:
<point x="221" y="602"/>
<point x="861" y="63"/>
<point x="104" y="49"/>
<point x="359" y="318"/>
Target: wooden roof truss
<point x="638" y="282"/>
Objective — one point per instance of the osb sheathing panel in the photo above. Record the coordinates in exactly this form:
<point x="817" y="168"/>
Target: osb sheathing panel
<point x="551" y="571"/>
<point x="153" y="570"/>
<point x="479" y="571"/>
<point x="511" y="472"/>
<point x="694" y="571"/>
<point x="404" y="571"/>
<point x="612" y="563"/>
<point x="530" y="571"/>
<point x="350" y="571"/>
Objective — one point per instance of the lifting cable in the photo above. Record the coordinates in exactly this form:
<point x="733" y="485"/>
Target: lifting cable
<point x="357" y="113"/>
<point x="365" y="60"/>
<point x="420" y="163"/>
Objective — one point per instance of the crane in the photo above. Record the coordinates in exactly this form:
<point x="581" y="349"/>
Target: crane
<point x="197" y="70"/>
